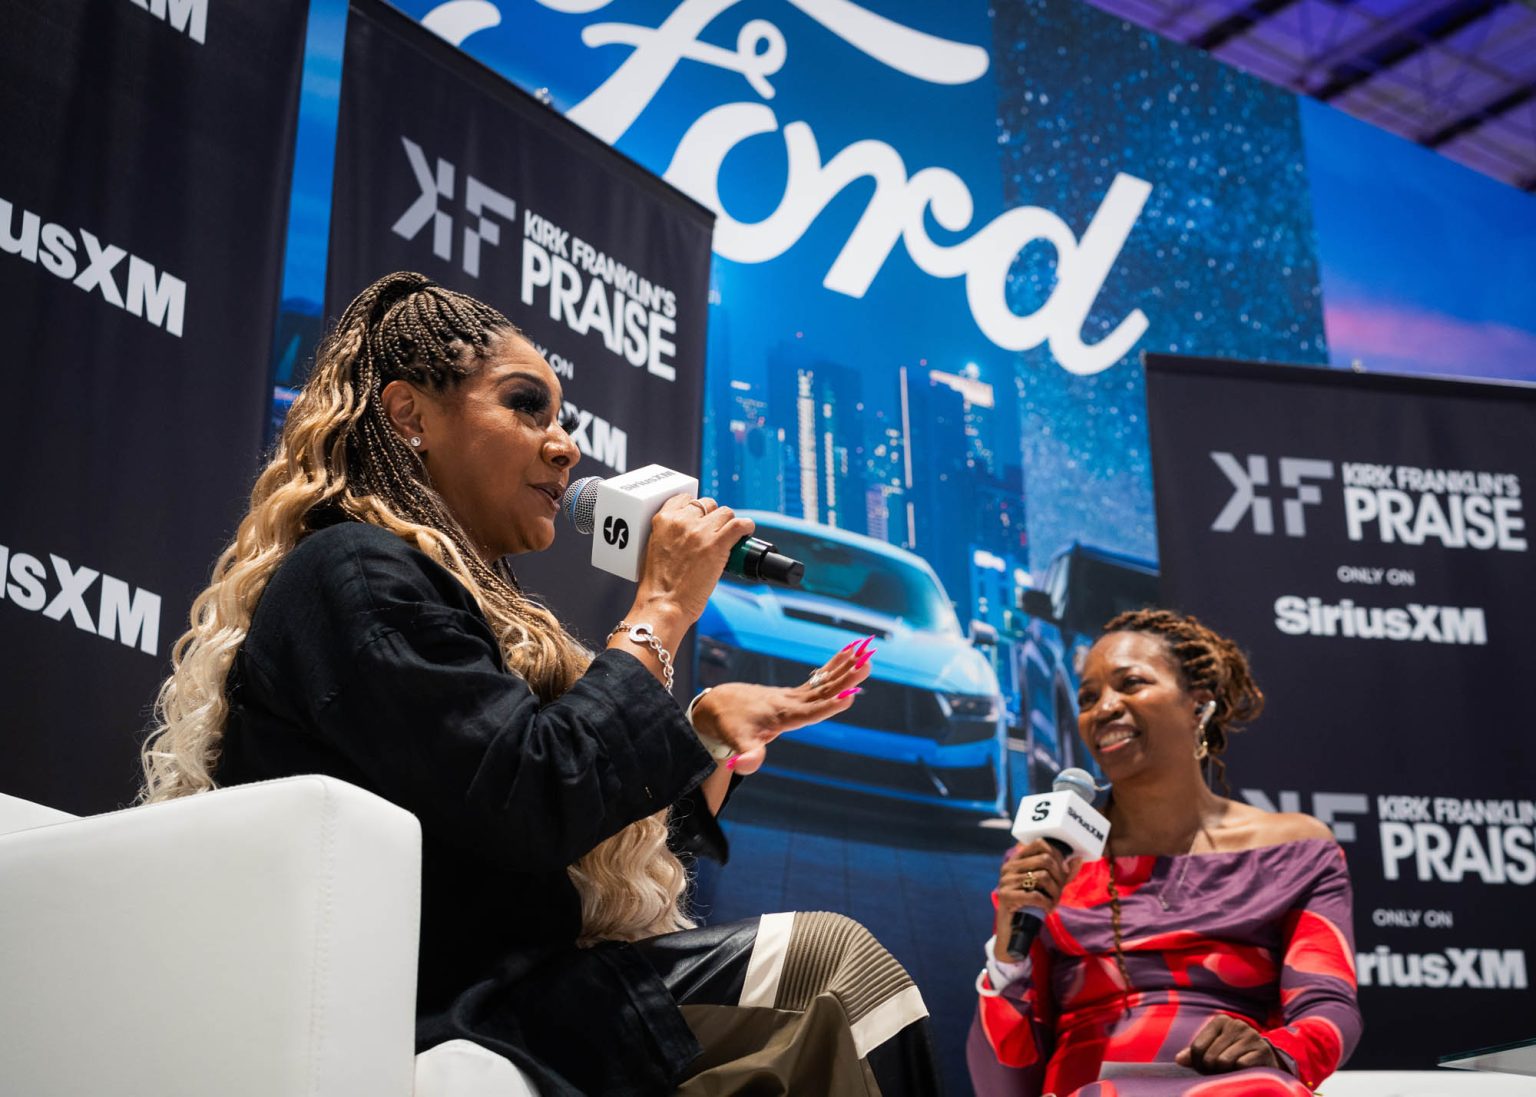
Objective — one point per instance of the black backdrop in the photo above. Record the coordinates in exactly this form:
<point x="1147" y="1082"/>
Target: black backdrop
<point x="1271" y="483"/>
<point x="143" y="191"/>
<point x="445" y="168"/>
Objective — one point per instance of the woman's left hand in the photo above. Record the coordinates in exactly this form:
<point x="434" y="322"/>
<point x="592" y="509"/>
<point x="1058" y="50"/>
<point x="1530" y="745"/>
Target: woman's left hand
<point x="1224" y="1044"/>
<point x="748" y="717"/>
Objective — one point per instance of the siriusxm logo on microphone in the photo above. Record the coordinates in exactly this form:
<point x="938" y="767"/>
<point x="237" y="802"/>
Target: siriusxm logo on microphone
<point x="1062" y="816"/>
<point x="622" y="508"/>
<point x="616" y="531"/>
<point x="1098" y="832"/>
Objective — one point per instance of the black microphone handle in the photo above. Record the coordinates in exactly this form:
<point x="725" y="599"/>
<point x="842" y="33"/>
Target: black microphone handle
<point x="753" y="558"/>
<point x="1026" y="926"/>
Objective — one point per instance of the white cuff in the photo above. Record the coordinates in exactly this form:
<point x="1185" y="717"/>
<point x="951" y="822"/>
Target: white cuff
<point x="1003" y="973"/>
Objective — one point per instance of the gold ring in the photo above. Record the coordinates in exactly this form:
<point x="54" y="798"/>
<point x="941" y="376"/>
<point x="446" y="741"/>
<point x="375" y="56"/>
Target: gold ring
<point x="1028" y="883"/>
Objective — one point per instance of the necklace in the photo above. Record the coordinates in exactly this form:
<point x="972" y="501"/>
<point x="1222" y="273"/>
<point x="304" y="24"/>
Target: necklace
<point x="1170" y="887"/>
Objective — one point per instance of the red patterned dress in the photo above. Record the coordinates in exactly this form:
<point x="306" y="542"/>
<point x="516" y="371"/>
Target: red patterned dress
<point x="1263" y="935"/>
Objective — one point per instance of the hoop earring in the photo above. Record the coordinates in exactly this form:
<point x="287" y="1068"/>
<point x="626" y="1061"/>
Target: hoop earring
<point x="1202" y="748"/>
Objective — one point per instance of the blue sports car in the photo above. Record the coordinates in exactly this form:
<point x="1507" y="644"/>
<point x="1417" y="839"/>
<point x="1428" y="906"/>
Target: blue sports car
<point x="928" y="727"/>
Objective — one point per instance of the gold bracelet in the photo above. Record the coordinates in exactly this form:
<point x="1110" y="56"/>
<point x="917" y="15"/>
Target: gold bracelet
<point x="645" y="636"/>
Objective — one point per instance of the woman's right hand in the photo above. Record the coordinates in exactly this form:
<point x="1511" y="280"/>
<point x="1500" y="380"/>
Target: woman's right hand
<point x="1045" y="872"/>
<point x="690" y="542"/>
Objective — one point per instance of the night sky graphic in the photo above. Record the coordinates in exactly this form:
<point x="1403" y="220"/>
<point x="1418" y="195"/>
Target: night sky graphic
<point x="1222" y="259"/>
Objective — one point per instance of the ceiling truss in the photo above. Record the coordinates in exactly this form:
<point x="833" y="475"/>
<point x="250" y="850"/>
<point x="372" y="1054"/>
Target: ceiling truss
<point x="1457" y="76"/>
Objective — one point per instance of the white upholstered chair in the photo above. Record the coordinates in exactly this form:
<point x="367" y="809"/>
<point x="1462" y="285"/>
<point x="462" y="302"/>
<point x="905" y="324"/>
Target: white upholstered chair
<point x="257" y="941"/>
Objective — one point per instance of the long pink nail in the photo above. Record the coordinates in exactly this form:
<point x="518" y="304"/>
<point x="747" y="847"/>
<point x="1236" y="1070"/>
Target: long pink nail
<point x="864" y="660"/>
<point x="867" y="641"/>
<point x="850" y="692"/>
<point x="730" y="763"/>
<point x="852" y="645"/>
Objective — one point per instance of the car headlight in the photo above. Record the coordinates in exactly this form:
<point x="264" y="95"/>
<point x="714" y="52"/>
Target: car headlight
<point x="969" y="706"/>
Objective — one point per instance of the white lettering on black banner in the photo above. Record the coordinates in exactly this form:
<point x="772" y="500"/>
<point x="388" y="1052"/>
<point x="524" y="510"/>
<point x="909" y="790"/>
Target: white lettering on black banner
<point x="588" y="291"/>
<point x="1298" y="616"/>
<point x="188" y="16"/>
<point x="480" y="202"/>
<point x="1393" y="504"/>
<point x="1469" y="968"/>
<point x="159" y="298"/>
<point x="599" y="439"/>
<point x="129" y="615"/>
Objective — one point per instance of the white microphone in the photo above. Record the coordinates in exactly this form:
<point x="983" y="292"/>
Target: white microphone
<point x="1066" y="819"/>
<point x="619" y="511"/>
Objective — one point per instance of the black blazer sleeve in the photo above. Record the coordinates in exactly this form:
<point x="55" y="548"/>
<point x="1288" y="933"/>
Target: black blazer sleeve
<point x="400" y="672"/>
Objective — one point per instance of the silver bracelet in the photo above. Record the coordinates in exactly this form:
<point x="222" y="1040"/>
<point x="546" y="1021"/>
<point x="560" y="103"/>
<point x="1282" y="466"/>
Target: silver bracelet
<point x="645" y="636"/>
<point x="718" y="749"/>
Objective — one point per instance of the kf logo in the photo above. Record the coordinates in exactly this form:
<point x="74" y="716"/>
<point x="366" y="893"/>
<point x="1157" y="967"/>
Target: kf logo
<point x="615" y="531"/>
<point x="1246" y="498"/>
<point x="479" y="200"/>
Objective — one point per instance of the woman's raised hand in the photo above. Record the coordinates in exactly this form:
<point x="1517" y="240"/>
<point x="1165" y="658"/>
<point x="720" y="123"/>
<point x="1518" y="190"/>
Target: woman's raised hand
<point x="748" y="717"/>
<point x="1032" y="876"/>
<point x="690" y="541"/>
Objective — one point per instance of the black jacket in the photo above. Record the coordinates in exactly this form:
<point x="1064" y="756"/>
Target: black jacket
<point x="368" y="661"/>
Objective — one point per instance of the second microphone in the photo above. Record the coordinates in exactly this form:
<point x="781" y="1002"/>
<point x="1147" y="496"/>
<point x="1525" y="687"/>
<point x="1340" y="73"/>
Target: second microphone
<point x="619" y="511"/>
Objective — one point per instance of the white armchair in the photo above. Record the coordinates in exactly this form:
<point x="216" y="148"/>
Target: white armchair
<point x="251" y="942"/>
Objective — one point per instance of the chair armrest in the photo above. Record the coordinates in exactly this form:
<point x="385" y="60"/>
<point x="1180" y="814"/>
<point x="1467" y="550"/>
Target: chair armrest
<point x="249" y="942"/>
<point x="1424" y="1083"/>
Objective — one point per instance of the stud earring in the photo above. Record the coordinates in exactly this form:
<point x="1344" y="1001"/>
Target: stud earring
<point x="415" y="442"/>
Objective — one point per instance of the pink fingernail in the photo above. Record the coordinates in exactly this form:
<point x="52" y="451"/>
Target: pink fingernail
<point x="867" y="641"/>
<point x="850" y="692"/>
<point x="852" y="645"/>
<point x="730" y="763"/>
<point x="864" y="660"/>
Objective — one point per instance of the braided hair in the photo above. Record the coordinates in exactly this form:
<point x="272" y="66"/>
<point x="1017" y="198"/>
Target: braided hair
<point x="412" y="329"/>
<point x="1205" y="660"/>
<point x="339" y="456"/>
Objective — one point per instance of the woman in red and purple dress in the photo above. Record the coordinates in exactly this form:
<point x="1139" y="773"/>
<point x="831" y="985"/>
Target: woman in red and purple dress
<point x="1210" y="952"/>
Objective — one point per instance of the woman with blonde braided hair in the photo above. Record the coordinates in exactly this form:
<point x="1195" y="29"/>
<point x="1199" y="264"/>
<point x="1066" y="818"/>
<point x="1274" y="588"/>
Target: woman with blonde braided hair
<point x="1210" y="951"/>
<point x="364" y="624"/>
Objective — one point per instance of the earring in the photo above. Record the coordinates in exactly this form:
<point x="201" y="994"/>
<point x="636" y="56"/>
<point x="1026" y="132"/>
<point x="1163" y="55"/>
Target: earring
<point x="1202" y="747"/>
<point x="415" y="442"/>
